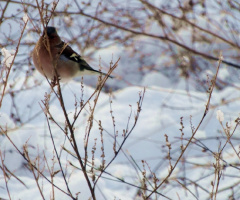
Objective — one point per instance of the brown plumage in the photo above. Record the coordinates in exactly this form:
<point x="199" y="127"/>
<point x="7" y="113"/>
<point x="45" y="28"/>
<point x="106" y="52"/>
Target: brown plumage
<point x="50" y="51"/>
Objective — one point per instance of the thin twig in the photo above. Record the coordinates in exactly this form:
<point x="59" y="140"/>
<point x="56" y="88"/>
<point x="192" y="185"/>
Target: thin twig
<point x="10" y="67"/>
<point x="194" y="133"/>
<point x="5" y="175"/>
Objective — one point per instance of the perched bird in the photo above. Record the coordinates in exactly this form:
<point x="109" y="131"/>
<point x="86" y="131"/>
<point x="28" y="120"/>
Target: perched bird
<point x="51" y="52"/>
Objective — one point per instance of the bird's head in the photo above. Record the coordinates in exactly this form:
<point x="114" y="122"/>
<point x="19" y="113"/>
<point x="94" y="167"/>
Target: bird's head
<point x="51" y="34"/>
<point x="51" y="31"/>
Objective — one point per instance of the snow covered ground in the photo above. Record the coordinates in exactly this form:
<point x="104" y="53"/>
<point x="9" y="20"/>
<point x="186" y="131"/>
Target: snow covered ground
<point x="161" y="112"/>
<point x="166" y="105"/>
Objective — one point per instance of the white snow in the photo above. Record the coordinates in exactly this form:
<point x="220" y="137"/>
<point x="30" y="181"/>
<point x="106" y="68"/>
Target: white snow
<point x="160" y="115"/>
<point x="25" y="18"/>
<point x="220" y="116"/>
<point x="8" y="57"/>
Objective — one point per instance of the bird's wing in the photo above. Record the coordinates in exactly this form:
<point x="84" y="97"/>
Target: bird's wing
<point x="72" y="55"/>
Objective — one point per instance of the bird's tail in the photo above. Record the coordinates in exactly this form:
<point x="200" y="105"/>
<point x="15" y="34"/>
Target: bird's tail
<point x="86" y="69"/>
<point x="103" y="73"/>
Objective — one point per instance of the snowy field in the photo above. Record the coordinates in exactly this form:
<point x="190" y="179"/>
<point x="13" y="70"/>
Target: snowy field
<point x="171" y="108"/>
<point x="161" y="112"/>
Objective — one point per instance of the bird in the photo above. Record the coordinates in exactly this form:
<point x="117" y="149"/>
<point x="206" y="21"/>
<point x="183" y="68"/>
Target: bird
<point x="51" y="53"/>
